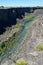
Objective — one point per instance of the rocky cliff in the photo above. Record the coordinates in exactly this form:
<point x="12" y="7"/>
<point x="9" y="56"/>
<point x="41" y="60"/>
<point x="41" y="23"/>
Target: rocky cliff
<point x="8" y="16"/>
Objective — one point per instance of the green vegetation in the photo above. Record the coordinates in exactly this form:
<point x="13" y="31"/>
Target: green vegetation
<point x="39" y="47"/>
<point x="17" y="26"/>
<point x="21" y="62"/>
<point x="28" y="17"/>
<point x="30" y="20"/>
<point x="8" y="44"/>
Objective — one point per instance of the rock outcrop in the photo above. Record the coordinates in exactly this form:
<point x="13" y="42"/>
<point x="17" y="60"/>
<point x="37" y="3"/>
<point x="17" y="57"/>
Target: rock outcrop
<point x="8" y="16"/>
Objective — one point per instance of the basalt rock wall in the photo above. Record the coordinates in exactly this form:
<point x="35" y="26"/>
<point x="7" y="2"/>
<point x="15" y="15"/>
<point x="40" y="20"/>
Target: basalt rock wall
<point x="8" y="16"/>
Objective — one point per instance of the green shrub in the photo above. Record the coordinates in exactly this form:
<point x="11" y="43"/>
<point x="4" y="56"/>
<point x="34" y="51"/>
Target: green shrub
<point x="39" y="47"/>
<point x="8" y="44"/>
<point x="17" y="26"/>
<point x="28" y="17"/>
<point x="21" y="62"/>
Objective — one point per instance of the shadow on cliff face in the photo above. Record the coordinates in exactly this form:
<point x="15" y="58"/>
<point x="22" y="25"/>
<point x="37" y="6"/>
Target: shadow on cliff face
<point x="8" y="17"/>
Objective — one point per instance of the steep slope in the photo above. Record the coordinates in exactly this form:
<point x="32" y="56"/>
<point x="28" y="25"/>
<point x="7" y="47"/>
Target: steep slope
<point x="21" y="36"/>
<point x="27" y="50"/>
<point x="31" y="35"/>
